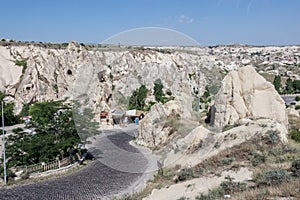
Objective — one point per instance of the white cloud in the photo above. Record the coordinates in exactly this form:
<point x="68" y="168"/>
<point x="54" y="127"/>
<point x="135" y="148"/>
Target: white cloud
<point x="185" y="19"/>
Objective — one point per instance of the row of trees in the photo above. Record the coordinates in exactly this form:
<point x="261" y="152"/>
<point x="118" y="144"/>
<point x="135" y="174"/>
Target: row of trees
<point x="291" y="86"/>
<point x="138" y="98"/>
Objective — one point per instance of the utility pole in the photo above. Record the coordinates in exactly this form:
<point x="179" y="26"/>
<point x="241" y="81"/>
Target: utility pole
<point x="3" y="141"/>
<point x="198" y="76"/>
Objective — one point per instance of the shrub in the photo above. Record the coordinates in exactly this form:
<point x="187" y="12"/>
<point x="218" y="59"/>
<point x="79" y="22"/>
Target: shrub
<point x="273" y="177"/>
<point x="185" y="174"/>
<point x="22" y="63"/>
<point x="297" y="98"/>
<point x="227" y="160"/>
<point x="17" y="130"/>
<point x="295" y="135"/>
<point x="258" y="158"/>
<point x="149" y="105"/>
<point x="25" y="176"/>
<point x="296" y="167"/>
<point x="111" y="76"/>
<point x="230" y="187"/>
<point x="297" y="107"/>
<point x="212" y="194"/>
<point x="271" y="137"/>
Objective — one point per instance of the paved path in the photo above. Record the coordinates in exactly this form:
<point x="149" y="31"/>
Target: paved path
<point x="118" y="165"/>
<point x="289" y="98"/>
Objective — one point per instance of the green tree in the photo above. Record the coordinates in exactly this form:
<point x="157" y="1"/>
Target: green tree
<point x="138" y="98"/>
<point x="49" y="142"/>
<point x="2" y="95"/>
<point x="25" y="110"/>
<point x="9" y="117"/>
<point x="277" y="83"/>
<point x="289" y="89"/>
<point x="42" y="112"/>
<point x="206" y="92"/>
<point x="158" y="91"/>
<point x="296" y="86"/>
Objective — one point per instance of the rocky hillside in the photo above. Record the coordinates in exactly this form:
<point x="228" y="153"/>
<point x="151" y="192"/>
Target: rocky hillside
<point x="242" y="108"/>
<point x="106" y="76"/>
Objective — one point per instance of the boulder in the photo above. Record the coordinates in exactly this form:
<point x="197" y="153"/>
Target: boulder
<point x="292" y="111"/>
<point x="246" y="94"/>
<point x="159" y="124"/>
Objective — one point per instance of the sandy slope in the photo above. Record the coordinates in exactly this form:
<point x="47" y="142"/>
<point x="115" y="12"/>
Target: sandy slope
<point x="192" y="188"/>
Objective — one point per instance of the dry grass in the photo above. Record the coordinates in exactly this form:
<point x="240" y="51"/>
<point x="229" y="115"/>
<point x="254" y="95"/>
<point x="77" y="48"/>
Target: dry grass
<point x="289" y="190"/>
<point x="260" y="154"/>
<point x="294" y="122"/>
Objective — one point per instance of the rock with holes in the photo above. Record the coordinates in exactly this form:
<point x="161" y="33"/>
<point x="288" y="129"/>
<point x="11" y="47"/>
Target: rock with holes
<point x="103" y="77"/>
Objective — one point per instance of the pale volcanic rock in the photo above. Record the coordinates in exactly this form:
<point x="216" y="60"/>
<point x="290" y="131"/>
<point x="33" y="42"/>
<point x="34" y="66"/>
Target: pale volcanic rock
<point x="73" y="71"/>
<point x="202" y="144"/>
<point x="10" y="73"/>
<point x="244" y="93"/>
<point x="152" y="129"/>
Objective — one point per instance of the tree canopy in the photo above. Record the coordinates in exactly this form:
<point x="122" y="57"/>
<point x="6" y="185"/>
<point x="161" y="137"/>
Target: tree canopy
<point x="138" y="97"/>
<point x="9" y="117"/>
<point x="277" y="83"/>
<point x="43" y="112"/>
<point x="57" y="126"/>
<point x="158" y="91"/>
<point x="291" y="86"/>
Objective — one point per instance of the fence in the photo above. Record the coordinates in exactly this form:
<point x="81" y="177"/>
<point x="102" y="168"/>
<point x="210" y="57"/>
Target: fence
<point x="42" y="167"/>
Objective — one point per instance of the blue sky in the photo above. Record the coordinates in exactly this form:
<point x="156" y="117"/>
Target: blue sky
<point x="209" y="22"/>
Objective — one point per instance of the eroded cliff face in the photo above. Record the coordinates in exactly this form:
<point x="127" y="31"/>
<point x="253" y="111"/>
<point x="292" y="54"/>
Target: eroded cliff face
<point x="105" y="77"/>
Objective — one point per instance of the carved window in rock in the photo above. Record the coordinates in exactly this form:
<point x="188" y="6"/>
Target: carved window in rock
<point x="101" y="76"/>
<point x="69" y="72"/>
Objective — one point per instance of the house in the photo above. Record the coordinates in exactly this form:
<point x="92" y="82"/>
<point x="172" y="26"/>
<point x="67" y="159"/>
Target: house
<point x="133" y="114"/>
<point x="26" y="119"/>
<point x="118" y="116"/>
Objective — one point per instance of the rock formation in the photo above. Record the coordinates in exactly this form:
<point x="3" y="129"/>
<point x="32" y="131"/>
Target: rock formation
<point x="159" y="124"/>
<point x="245" y="100"/>
<point x="201" y="143"/>
<point x="104" y="76"/>
<point x="243" y="94"/>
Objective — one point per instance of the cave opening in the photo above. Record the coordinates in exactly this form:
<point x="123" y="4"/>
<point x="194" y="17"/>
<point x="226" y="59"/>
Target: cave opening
<point x="69" y="72"/>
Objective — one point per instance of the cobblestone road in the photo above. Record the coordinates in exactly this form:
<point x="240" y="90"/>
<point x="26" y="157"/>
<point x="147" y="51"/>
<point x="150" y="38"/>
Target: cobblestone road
<point x="117" y="166"/>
